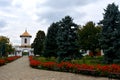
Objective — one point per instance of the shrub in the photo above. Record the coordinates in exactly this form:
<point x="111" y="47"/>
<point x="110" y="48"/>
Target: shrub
<point x="34" y="63"/>
<point x="10" y="59"/>
<point x="2" y="62"/>
<point x="96" y="70"/>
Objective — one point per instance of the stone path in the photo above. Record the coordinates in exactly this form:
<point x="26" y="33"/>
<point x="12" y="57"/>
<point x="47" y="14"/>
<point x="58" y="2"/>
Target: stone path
<point x="20" y="70"/>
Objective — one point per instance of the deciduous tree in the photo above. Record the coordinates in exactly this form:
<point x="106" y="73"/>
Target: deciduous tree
<point x="89" y="37"/>
<point x="5" y="46"/>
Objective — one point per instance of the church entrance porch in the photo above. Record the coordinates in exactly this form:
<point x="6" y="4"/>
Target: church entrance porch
<point x="25" y="47"/>
<point x="24" y="52"/>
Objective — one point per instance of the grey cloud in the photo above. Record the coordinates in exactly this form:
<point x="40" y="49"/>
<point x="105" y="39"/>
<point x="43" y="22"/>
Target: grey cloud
<point x="2" y="23"/>
<point x="18" y="5"/>
<point x="5" y="3"/>
<point x="66" y="3"/>
<point x="4" y="9"/>
<point x="61" y="8"/>
<point x="50" y="16"/>
<point x="56" y="15"/>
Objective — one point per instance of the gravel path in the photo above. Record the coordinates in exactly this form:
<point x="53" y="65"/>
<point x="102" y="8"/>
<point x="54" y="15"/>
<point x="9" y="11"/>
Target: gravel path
<point x="20" y="70"/>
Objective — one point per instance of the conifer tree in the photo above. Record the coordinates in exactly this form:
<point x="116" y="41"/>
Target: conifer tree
<point x="50" y="42"/>
<point x="67" y="39"/>
<point x="38" y="43"/>
<point x="110" y="36"/>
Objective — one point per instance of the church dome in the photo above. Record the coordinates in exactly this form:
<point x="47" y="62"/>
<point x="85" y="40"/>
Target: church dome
<point x="25" y="34"/>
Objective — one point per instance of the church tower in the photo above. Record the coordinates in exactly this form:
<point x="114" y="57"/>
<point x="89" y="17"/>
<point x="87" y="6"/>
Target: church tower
<point x="25" y="40"/>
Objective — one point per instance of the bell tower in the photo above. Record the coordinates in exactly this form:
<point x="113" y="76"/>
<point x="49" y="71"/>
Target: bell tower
<point x="25" y="39"/>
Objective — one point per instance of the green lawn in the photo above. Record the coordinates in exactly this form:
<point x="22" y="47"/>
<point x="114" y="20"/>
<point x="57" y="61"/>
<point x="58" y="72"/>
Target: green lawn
<point x="85" y="60"/>
<point x="43" y="59"/>
<point x="89" y="60"/>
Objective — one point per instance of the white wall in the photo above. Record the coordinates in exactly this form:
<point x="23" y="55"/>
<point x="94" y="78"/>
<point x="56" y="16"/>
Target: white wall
<point x="23" y="42"/>
<point x="20" y="50"/>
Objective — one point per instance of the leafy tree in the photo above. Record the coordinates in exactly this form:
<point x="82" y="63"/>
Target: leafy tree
<point x="10" y="49"/>
<point x="4" y="46"/>
<point x="110" y="36"/>
<point x="38" y="43"/>
<point x="89" y="37"/>
<point x="50" y="42"/>
<point x="67" y="39"/>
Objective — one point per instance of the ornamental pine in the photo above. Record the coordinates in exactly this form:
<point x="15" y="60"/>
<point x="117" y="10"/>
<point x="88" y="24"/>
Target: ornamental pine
<point x="110" y="35"/>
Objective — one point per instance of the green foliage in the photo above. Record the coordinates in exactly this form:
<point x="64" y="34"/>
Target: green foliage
<point x="25" y="53"/>
<point x="89" y="37"/>
<point x="9" y="48"/>
<point x="89" y="60"/>
<point x="5" y="46"/>
<point x="84" y="60"/>
<point x="44" y="59"/>
<point x="50" y="42"/>
<point x="67" y="40"/>
<point x="38" y="43"/>
<point x="110" y="39"/>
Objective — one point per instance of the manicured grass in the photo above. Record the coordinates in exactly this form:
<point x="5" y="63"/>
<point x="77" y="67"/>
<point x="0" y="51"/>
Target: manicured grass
<point x="43" y="59"/>
<point x="89" y="60"/>
<point x="85" y="60"/>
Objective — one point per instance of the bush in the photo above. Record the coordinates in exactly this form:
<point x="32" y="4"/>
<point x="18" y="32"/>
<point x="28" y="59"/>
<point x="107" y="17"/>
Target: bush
<point x="95" y="70"/>
<point x="43" y="59"/>
<point x="2" y="62"/>
<point x="116" y="61"/>
<point x="34" y="63"/>
<point x="10" y="59"/>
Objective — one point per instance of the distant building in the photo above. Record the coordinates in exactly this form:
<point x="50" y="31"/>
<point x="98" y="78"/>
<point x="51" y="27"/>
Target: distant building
<point x="25" y="46"/>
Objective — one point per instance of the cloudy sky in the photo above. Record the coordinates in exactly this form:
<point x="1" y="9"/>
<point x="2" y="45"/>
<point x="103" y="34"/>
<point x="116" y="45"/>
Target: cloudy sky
<point x="34" y="15"/>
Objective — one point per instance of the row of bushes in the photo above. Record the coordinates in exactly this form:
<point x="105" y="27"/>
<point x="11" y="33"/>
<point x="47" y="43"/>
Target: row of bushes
<point x="95" y="70"/>
<point x="3" y="61"/>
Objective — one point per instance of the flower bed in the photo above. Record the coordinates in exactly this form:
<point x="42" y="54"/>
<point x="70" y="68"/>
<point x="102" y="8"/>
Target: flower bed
<point x="3" y="61"/>
<point x="10" y="59"/>
<point x="95" y="70"/>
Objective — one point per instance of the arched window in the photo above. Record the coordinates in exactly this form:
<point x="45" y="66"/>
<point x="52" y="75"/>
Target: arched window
<point x="25" y="41"/>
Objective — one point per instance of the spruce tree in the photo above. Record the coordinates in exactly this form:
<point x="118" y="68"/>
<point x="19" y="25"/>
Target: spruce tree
<point x="67" y="40"/>
<point x="50" y="42"/>
<point x="110" y="36"/>
<point x="38" y="43"/>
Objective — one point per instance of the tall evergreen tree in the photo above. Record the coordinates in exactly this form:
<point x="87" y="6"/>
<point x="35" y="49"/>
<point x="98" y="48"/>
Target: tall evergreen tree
<point x="110" y="36"/>
<point x="38" y="43"/>
<point x="67" y="39"/>
<point x="50" y="42"/>
<point x="89" y="37"/>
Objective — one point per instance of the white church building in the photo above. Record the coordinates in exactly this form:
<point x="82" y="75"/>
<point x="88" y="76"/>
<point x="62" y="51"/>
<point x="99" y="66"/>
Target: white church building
<point x="25" y="45"/>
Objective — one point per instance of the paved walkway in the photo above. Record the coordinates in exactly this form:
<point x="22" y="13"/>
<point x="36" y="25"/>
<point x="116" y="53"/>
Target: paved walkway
<point x="20" y="70"/>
